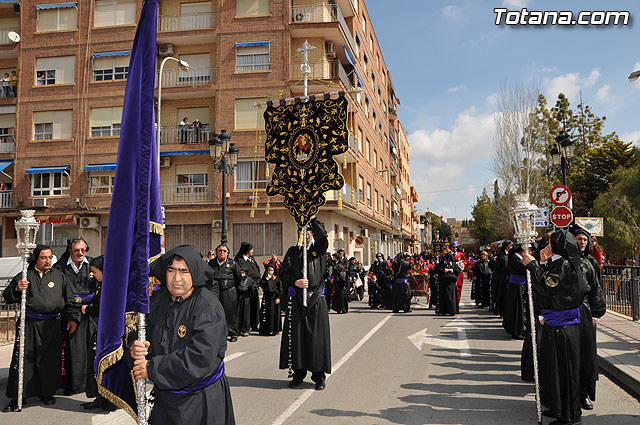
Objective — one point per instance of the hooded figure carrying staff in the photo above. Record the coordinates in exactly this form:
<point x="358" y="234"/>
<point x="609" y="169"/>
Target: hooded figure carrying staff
<point x="306" y="342"/>
<point x="185" y="356"/>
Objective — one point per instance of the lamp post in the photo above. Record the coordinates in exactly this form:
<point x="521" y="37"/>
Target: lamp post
<point x="523" y="215"/>
<point x="26" y="228"/>
<point x="562" y="153"/>
<point x="225" y="158"/>
<point x="183" y="66"/>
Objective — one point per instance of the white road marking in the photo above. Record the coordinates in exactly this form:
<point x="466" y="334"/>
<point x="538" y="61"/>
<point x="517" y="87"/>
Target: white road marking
<point x="305" y="395"/>
<point x="227" y="359"/>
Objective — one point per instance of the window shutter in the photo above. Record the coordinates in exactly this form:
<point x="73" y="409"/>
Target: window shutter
<point x="65" y="69"/>
<point x="192" y="8"/>
<point x="104" y="14"/>
<point x="42" y="117"/>
<point x="62" y="122"/>
<point x="125" y="12"/>
<point x="103" y="63"/>
<point x="246" y="115"/>
<point x="46" y="63"/>
<point x="7" y="120"/>
<point x="100" y="117"/>
<point x="68" y="18"/>
<point x="48" y="20"/>
<point x="252" y="7"/>
<point x="192" y="169"/>
<point x="121" y="60"/>
<point x="192" y="113"/>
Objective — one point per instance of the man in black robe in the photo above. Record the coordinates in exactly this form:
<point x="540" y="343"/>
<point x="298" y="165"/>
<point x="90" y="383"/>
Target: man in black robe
<point x="248" y="263"/>
<point x="559" y="290"/>
<point x="226" y="277"/>
<point x="592" y="309"/>
<point x="75" y="265"/>
<point x="513" y="314"/>
<point x="501" y="277"/>
<point x="448" y="272"/>
<point x="50" y="304"/>
<point x="306" y="342"/>
<point x="401" y="289"/>
<point x="185" y="355"/>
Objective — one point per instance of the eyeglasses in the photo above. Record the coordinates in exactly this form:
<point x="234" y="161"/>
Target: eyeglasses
<point x="223" y="250"/>
<point x="80" y="250"/>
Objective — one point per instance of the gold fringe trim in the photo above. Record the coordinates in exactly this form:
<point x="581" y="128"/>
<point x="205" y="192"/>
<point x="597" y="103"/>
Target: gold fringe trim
<point x="108" y="361"/>
<point x="154" y="258"/>
<point x="153" y="282"/>
<point x="156" y="228"/>
<point x="267" y="209"/>
<point x="339" y="199"/>
<point x="300" y="236"/>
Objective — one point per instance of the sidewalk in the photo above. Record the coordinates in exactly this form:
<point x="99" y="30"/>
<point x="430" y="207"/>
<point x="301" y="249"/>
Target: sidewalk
<point x="618" y="341"/>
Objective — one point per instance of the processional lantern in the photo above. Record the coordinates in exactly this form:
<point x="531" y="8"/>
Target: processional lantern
<point x="523" y="216"/>
<point x="27" y="228"/>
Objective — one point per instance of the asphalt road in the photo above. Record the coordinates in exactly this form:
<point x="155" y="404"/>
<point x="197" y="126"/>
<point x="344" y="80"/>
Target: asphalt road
<point x="414" y="368"/>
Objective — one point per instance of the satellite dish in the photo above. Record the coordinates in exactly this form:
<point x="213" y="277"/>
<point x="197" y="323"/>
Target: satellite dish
<point x="13" y="36"/>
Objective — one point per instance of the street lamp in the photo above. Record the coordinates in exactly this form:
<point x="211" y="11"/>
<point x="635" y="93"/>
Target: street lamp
<point x="562" y="153"/>
<point x="225" y="158"/>
<point x="183" y="66"/>
<point x="634" y="76"/>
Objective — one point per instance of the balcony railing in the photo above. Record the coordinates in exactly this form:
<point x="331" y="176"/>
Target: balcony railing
<point x="332" y="195"/>
<point x="174" y="195"/>
<point x="4" y="36"/>
<point x="5" y="199"/>
<point x="322" y="13"/>
<point x="193" y="77"/>
<point x="324" y="70"/>
<point x="185" y="135"/>
<point x="186" y="22"/>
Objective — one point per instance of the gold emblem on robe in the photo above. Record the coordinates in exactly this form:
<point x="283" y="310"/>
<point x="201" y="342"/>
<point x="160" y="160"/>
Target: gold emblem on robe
<point x="228" y="265"/>
<point x="78" y="299"/>
<point x="551" y="282"/>
<point x="182" y="331"/>
<point x="51" y="284"/>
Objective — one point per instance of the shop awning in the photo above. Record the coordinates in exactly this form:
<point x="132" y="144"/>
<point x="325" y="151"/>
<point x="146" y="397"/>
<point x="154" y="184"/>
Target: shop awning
<point x="253" y="44"/>
<point x="107" y="54"/>
<point x="100" y="167"/>
<point x="9" y="1"/>
<point x="5" y="164"/>
<point x="359" y="79"/>
<point x="349" y="55"/>
<point x="42" y="170"/>
<point x="57" y="5"/>
<point x="175" y="153"/>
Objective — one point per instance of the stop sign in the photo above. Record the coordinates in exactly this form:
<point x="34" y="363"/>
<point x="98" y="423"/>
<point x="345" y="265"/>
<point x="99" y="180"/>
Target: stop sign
<point x="561" y="216"/>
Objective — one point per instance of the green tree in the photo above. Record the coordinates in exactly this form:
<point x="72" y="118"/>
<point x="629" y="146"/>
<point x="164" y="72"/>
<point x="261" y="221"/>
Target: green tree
<point x="620" y="208"/>
<point x="444" y="230"/>
<point x="480" y="227"/>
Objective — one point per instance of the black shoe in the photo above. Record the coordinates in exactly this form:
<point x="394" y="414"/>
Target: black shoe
<point x="518" y="337"/>
<point x="549" y="414"/>
<point x="320" y="386"/>
<point x="587" y="404"/>
<point x="68" y="392"/>
<point x="12" y="406"/>
<point x="233" y="338"/>
<point x="48" y="401"/>
<point x="91" y="405"/>
<point x="294" y="383"/>
<point x="407" y="311"/>
<point x="396" y="311"/>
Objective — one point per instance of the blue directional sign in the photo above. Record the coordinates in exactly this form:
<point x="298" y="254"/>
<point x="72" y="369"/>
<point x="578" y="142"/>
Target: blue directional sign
<point x="542" y="217"/>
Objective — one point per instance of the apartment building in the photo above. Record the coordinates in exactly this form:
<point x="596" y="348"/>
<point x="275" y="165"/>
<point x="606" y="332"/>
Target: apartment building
<point x="59" y="128"/>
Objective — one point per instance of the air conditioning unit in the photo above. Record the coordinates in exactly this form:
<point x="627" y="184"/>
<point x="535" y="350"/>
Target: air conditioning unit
<point x="39" y="202"/>
<point x="165" y="49"/>
<point x="216" y="224"/>
<point x="302" y="16"/>
<point x="89" y="222"/>
<point x="165" y="161"/>
<point x="330" y="48"/>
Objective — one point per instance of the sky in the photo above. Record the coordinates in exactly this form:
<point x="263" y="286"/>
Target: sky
<point x="448" y="61"/>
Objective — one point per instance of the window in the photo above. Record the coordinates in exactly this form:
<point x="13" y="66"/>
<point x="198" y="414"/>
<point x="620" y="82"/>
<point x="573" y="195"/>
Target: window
<point x="382" y="204"/>
<point x="366" y="105"/>
<point x="196" y="235"/>
<point x="252" y="8"/>
<point x="251" y="175"/>
<point x="371" y="43"/>
<point x="378" y="61"/>
<point x="48" y="125"/>
<point x="375" y="158"/>
<point x="47" y="184"/>
<point x="373" y="121"/>
<point x="359" y="140"/>
<point x="57" y="17"/>
<point x="55" y="70"/>
<point x="101" y="182"/>
<point x="358" y="45"/>
<point x="373" y="80"/>
<point x="195" y="15"/>
<point x="105" y="122"/>
<point x="367" y="148"/>
<point x="375" y="202"/>
<point x="388" y="211"/>
<point x="111" y="68"/>
<point x="114" y="12"/>
<point x="247" y="116"/>
<point x="379" y="95"/>
<point x="360" y="188"/>
<point x="192" y="178"/>
<point x="366" y="64"/>
<point x="266" y="238"/>
<point x="369" y="194"/>
<point x="199" y="69"/>
<point x="364" y="24"/>
<point x="253" y="56"/>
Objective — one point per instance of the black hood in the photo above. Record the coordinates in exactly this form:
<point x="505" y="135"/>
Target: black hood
<point x="197" y="266"/>
<point x="245" y="247"/>
<point x="449" y="258"/>
<point x="576" y="230"/>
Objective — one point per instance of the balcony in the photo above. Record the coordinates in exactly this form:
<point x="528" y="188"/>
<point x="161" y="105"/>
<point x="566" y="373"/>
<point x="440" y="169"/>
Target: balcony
<point x="332" y="195"/>
<point x="5" y="199"/>
<point x="4" y="36"/>
<point x="193" y="77"/>
<point x="186" y="22"/>
<point x="185" y="195"/>
<point x="324" y="70"/>
<point x="305" y="19"/>
<point x="178" y="135"/>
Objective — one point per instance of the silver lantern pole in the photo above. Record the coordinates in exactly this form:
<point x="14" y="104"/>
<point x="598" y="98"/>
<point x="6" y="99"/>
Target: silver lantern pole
<point x="306" y="70"/>
<point x="524" y="215"/>
<point x="26" y="228"/>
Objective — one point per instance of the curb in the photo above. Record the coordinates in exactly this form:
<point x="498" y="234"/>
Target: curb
<point x="615" y="370"/>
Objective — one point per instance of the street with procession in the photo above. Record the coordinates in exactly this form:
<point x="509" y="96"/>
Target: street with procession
<point x="415" y="368"/>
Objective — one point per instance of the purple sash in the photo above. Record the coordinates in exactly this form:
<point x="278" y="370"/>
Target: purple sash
<point x="401" y="280"/>
<point x="517" y="279"/>
<point x="87" y="298"/>
<point x="389" y="285"/>
<point x="204" y="383"/>
<point x="41" y="316"/>
<point x="561" y="317"/>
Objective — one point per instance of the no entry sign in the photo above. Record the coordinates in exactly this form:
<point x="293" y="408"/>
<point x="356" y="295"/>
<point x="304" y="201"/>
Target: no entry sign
<point x="561" y="216"/>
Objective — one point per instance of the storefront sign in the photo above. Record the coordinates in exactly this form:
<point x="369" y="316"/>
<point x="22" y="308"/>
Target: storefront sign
<point x="57" y="219"/>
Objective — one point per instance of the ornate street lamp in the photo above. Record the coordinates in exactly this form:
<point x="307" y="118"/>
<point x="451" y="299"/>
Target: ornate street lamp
<point x="562" y="153"/>
<point x="225" y="159"/>
<point x="523" y="216"/>
<point x="26" y="229"/>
